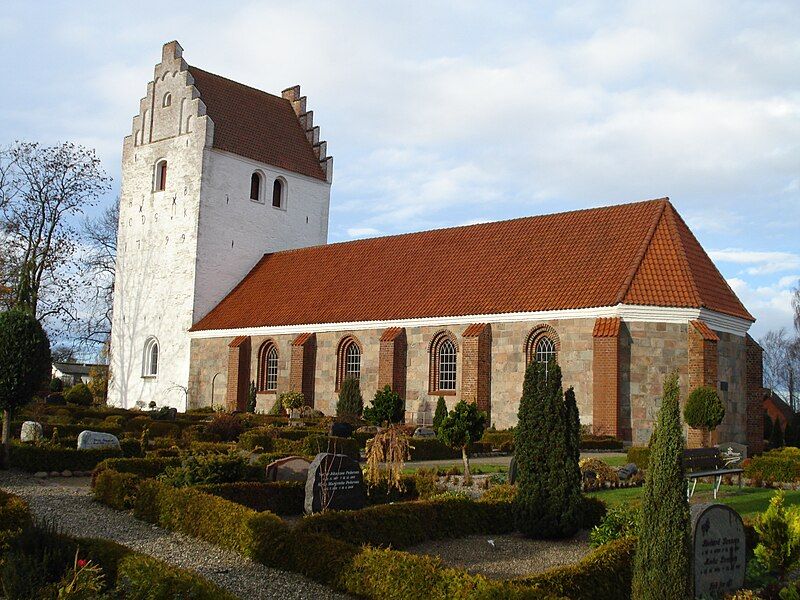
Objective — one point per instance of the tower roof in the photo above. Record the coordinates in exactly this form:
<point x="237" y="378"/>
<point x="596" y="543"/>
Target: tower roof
<point x="641" y="253"/>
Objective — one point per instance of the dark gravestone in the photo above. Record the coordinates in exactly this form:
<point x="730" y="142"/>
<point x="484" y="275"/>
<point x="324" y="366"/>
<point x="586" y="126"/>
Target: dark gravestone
<point x="334" y="482"/>
<point x="512" y="471"/>
<point x="291" y="468"/>
<point x="627" y="471"/>
<point x="342" y="430"/>
<point x="718" y="550"/>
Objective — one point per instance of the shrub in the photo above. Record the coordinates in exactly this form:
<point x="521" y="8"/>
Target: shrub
<point x="431" y="449"/>
<point x="499" y="493"/>
<point x="261" y="437"/>
<point x="775" y="466"/>
<point x="618" y="523"/>
<point x="606" y="573"/>
<point x="56" y="385"/>
<point x="314" y="444"/>
<point x="441" y="413"/>
<point x="463" y="426"/>
<point x="46" y="457"/>
<point x="704" y="410"/>
<point x="196" y="469"/>
<point x="597" y="442"/>
<point x="662" y="566"/>
<point x="549" y="501"/>
<point x="225" y="427"/>
<point x="593" y="510"/>
<point x="79" y="394"/>
<point x="115" y="489"/>
<point x="279" y="497"/>
<point x="387" y="408"/>
<point x="141" y="467"/>
<point x="141" y="577"/>
<point x="210" y="447"/>
<point x="603" y="473"/>
<point x="350" y="403"/>
<point x="778" y="529"/>
<point x="639" y="455"/>
<point x="15" y="515"/>
<point x="160" y="429"/>
<point x="131" y="448"/>
<point x="55" y="399"/>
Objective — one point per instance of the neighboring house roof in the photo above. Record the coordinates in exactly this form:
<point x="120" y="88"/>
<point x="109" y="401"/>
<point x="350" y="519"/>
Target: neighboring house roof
<point x="640" y="253"/>
<point x="78" y="369"/>
<point x="256" y="125"/>
<point x="778" y="404"/>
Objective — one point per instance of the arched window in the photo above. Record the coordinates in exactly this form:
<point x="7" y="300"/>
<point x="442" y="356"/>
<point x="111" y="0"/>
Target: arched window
<point x="443" y="367"/>
<point x="161" y="176"/>
<point x="348" y="362"/>
<point x="167" y="100"/>
<point x="545" y="350"/>
<point x="255" y="186"/>
<point x="268" y="367"/>
<point x="150" y="358"/>
<point x="279" y="193"/>
<point x="542" y="345"/>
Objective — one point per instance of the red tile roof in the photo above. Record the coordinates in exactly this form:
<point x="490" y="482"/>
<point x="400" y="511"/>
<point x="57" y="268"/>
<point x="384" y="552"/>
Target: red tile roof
<point x="704" y="330"/>
<point x="256" y="125"/>
<point x="237" y="341"/>
<point x="391" y="334"/>
<point x="474" y="330"/>
<point x="640" y="253"/>
<point x="606" y="327"/>
<point x="301" y="339"/>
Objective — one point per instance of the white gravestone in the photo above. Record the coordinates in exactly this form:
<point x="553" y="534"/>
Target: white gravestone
<point x="718" y="550"/>
<point x="291" y="468"/>
<point x="89" y="440"/>
<point x="31" y="432"/>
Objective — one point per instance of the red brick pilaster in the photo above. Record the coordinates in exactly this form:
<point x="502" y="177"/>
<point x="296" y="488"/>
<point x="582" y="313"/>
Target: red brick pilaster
<point x="702" y="368"/>
<point x="605" y="376"/>
<point x="476" y="366"/>
<point x="755" y="395"/>
<point x="392" y="360"/>
<point x="303" y="365"/>
<point x="238" y="374"/>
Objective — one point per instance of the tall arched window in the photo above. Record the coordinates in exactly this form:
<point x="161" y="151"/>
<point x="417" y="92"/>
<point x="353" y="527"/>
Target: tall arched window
<point x="542" y="345"/>
<point x="279" y="193"/>
<point x="348" y="362"/>
<point x="268" y="367"/>
<point x="443" y="364"/>
<point x="161" y="176"/>
<point x="255" y="187"/>
<point x="545" y="350"/>
<point x="167" y="100"/>
<point x="150" y="358"/>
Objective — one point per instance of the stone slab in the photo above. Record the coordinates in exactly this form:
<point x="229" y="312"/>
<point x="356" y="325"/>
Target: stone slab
<point x="88" y="440"/>
<point x="718" y="550"/>
<point x="334" y="482"/>
<point x="291" y="468"/>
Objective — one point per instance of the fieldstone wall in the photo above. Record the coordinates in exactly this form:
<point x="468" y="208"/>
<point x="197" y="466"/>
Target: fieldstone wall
<point x="732" y="370"/>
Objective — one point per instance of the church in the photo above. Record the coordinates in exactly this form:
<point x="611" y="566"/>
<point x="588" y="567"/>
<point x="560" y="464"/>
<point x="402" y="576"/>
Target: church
<point x="224" y="277"/>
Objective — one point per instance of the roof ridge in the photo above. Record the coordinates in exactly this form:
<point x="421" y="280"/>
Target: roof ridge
<point x="681" y="249"/>
<point x="239" y="83"/>
<point x="639" y="258"/>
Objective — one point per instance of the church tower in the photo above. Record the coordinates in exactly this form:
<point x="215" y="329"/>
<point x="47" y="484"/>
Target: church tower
<point x="214" y="175"/>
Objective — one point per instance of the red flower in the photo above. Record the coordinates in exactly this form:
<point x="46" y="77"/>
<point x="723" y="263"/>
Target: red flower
<point x="82" y="563"/>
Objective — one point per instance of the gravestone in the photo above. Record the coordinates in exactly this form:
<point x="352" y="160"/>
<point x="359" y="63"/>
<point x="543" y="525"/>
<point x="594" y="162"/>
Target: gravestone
<point x="334" y="482"/>
<point x="512" y="470"/>
<point x="88" y="440"/>
<point x="31" y="432"/>
<point x="627" y="471"/>
<point x="424" y="432"/>
<point x="291" y="468"/>
<point x="341" y="429"/>
<point x="718" y="550"/>
<point x="732" y="453"/>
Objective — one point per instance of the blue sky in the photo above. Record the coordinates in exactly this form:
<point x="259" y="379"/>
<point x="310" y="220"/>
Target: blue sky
<point x="445" y="113"/>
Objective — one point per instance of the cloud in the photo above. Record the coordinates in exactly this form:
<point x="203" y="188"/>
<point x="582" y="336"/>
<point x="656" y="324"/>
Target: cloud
<point x="359" y="232"/>
<point x="764" y="262"/>
<point x="771" y="304"/>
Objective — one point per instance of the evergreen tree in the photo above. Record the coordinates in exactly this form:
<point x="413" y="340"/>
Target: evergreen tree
<point x="767" y="426"/>
<point x="661" y="567"/>
<point x="441" y="413"/>
<point x="462" y="427"/>
<point x="548" y="502"/>
<point x="573" y="428"/>
<point x="251" y="397"/>
<point x="776" y="439"/>
<point x="350" y="403"/>
<point x="387" y="408"/>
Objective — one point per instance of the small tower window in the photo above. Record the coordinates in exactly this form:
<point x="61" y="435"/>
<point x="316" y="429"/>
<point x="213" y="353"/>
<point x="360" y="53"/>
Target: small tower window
<point x="255" y="187"/>
<point x="167" y="100"/>
<point x="161" y="176"/>
<point x="279" y="193"/>
<point x="150" y="359"/>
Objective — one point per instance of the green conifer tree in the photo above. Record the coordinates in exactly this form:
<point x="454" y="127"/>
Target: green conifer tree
<point x="548" y="502"/>
<point x="661" y="567"/>
<point x="573" y="428"/>
<point x="441" y="413"/>
<point x="351" y="403"/>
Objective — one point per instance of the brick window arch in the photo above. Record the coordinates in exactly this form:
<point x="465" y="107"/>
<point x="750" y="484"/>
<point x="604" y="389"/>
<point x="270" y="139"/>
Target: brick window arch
<point x="542" y="344"/>
<point x="348" y="360"/>
<point x="443" y="353"/>
<point x="268" y="367"/>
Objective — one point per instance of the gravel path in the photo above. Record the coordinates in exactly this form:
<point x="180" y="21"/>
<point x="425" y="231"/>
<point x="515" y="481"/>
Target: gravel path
<point x="69" y="503"/>
<point x="507" y="556"/>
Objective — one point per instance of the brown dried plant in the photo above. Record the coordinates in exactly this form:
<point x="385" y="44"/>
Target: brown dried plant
<point x="386" y="456"/>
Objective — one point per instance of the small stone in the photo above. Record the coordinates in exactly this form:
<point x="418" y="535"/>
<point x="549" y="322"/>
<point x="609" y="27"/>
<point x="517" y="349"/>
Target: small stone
<point x="55" y="474"/>
<point x="40" y="474"/>
<point x="66" y="473"/>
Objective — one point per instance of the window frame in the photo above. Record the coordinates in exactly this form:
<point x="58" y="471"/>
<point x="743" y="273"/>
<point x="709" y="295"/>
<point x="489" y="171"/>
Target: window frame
<point x="268" y="373"/>
<point x="151" y="345"/>
<point x="535" y="337"/>
<point x="257" y="176"/>
<point x="283" y="193"/>
<point x="166" y="101"/>
<point x="160" y="175"/>
<point x="347" y="345"/>
<point x="441" y="341"/>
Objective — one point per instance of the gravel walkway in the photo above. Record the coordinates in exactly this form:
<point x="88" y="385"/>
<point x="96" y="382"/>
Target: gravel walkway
<point x="507" y="556"/>
<point x="69" y="503"/>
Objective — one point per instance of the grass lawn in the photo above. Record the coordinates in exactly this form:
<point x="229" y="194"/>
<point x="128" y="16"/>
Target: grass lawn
<point x="474" y="469"/>
<point x="747" y="502"/>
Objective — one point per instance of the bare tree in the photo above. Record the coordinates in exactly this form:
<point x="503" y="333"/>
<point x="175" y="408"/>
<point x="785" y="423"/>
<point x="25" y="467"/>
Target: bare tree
<point x="782" y="364"/>
<point x="43" y="189"/>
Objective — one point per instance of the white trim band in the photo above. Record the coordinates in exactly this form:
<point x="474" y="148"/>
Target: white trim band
<point x="656" y="314"/>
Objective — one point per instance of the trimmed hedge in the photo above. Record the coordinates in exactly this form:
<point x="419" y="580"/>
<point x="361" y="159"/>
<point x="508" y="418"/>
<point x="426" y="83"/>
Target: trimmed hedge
<point x="298" y="433"/>
<point x="142" y="467"/>
<point x="279" y="497"/>
<point x="117" y="490"/>
<point x="639" y="455"/>
<point x="606" y="573"/>
<point x="262" y="437"/>
<point x="33" y="458"/>
<point x="314" y="444"/>
<point x="600" y="442"/>
<point x="408" y="523"/>
<point x="431" y="449"/>
<point x="141" y="577"/>
<point x="775" y="466"/>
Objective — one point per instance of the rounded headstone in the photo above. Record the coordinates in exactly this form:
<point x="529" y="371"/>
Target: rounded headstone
<point x="88" y="440"/>
<point x="291" y="468"/>
<point x="31" y="432"/>
<point x="424" y="432"/>
<point x="718" y="550"/>
<point x="334" y="482"/>
<point x="627" y="471"/>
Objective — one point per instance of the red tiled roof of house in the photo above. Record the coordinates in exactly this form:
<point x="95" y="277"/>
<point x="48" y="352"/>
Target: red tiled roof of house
<point x="704" y="330"/>
<point x="237" y="341"/>
<point x="474" y="330"/>
<point x="640" y="253"/>
<point x="301" y="339"/>
<point x="606" y="327"/>
<point x="256" y="125"/>
<point x="391" y="333"/>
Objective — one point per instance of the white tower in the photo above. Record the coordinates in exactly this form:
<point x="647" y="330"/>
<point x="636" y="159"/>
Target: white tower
<point x="214" y="175"/>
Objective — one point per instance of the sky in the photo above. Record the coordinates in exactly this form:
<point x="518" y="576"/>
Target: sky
<point x="449" y="113"/>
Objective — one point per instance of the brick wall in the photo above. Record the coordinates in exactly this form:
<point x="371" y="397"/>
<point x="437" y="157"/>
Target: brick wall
<point x="303" y="366"/>
<point x="606" y="374"/>
<point x="702" y="356"/>
<point x="755" y="394"/>
<point x="238" y="374"/>
<point x="392" y="360"/>
<point x="476" y="366"/>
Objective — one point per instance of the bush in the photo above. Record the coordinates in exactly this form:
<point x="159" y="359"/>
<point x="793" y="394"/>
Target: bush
<point x="387" y="408"/>
<point x="778" y="529"/>
<point x="431" y="449"/>
<point x="141" y="467"/>
<point x="56" y="385"/>
<point x="775" y="466"/>
<point x="463" y="426"/>
<point x="639" y="455"/>
<point x="115" y="489"/>
<point x="79" y="394"/>
<point x="600" y="442"/>
<point x="499" y="493"/>
<point x="618" y="523"/>
<point x="131" y="448"/>
<point x="603" y="473"/>
<point x="224" y="427"/>
<point x="291" y="400"/>
<point x="441" y="413"/>
<point x="350" y="403"/>
<point x="55" y="399"/>
<point x="164" y="429"/>
<point x="704" y="410"/>
<point x="142" y="577"/>
<point x="210" y="447"/>
<point x="15" y="515"/>
<point x="46" y="457"/>
<point x="409" y="523"/>
<point x="279" y="497"/>
<point x="314" y="444"/>
<point x="196" y="469"/>
<point x="261" y="437"/>
<point x="606" y="573"/>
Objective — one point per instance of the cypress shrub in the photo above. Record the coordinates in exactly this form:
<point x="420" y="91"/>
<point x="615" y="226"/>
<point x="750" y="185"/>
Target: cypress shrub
<point x="79" y="394"/>
<point x="350" y="403"/>
<point x="573" y="437"/>
<point x="661" y="568"/>
<point x="549" y="502"/>
<point x="441" y="413"/>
